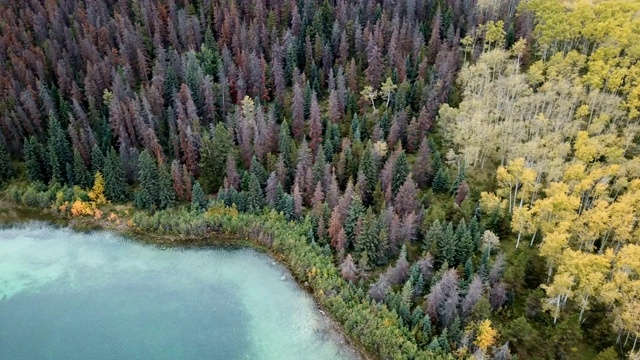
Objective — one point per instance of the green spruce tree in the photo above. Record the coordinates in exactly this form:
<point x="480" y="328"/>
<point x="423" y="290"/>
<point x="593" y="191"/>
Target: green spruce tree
<point x="59" y="152"/>
<point x="198" y="198"/>
<point x="213" y="157"/>
<point x="400" y="173"/>
<point x="370" y="171"/>
<point x="464" y="243"/>
<point x="35" y="161"/>
<point x="147" y="194"/>
<point x="6" y="168"/>
<point x="447" y="245"/>
<point x="81" y="175"/>
<point x="255" y="196"/>
<point x="356" y="210"/>
<point x="115" y="184"/>
<point x="166" y="194"/>
<point x="440" y="182"/>
<point x="97" y="160"/>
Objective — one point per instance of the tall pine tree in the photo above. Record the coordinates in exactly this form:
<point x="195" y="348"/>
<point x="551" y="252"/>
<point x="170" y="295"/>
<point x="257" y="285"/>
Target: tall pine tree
<point x="213" y="157"/>
<point x="59" y="152"/>
<point x="146" y="196"/>
<point x="115" y="184"/>
<point x="6" y="168"/>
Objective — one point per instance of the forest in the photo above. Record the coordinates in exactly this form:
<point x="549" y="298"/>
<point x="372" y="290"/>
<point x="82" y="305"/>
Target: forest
<point x="453" y="178"/>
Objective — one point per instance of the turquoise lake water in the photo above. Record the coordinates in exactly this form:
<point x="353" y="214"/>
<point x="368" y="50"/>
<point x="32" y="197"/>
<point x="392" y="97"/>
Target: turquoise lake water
<point x="68" y="295"/>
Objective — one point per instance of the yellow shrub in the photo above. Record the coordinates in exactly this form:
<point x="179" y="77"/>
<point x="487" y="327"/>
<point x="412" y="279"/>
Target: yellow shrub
<point x="219" y="209"/>
<point x="81" y="208"/>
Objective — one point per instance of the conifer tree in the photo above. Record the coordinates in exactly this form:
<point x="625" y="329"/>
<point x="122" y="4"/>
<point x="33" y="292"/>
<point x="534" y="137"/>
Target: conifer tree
<point x="166" y="193"/>
<point x="367" y="240"/>
<point x="198" y="199"/>
<point x="213" y="156"/>
<point x="255" y="196"/>
<point x="115" y="185"/>
<point x="6" y="168"/>
<point x="81" y="175"/>
<point x="59" y="151"/>
<point x="284" y="145"/>
<point x="464" y="243"/>
<point x="447" y="245"/>
<point x="348" y="269"/>
<point x="356" y="210"/>
<point x="97" y="159"/>
<point x="400" y="173"/>
<point x="146" y="196"/>
<point x="35" y="160"/>
<point x="422" y="169"/>
<point x="370" y="171"/>
<point x="433" y="236"/>
<point x="440" y="182"/>
<point x="258" y="170"/>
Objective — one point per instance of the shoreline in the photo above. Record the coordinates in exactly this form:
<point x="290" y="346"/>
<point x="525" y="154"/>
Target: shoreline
<point x="12" y="214"/>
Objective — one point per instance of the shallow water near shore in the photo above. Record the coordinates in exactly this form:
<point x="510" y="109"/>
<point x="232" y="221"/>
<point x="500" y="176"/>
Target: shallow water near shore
<point x="68" y="295"/>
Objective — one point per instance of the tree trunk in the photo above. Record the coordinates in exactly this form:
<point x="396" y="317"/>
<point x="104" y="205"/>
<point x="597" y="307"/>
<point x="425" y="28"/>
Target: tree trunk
<point x="583" y="307"/>
<point x="533" y="238"/>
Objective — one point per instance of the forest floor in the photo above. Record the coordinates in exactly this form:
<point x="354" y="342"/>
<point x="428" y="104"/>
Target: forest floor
<point x="12" y="213"/>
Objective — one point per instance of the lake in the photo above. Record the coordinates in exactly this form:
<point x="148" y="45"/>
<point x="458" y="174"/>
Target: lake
<point x="68" y="295"/>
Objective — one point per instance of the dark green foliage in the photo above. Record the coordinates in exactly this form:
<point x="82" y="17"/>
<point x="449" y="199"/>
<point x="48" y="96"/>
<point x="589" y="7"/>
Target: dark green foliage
<point x="400" y="172"/>
<point x="370" y="171"/>
<point x="356" y="210"/>
<point x="520" y="333"/>
<point x="198" y="199"/>
<point x="258" y="170"/>
<point x="366" y="242"/>
<point x="255" y="196"/>
<point x="446" y="245"/>
<point x="464" y="243"/>
<point x="284" y="203"/>
<point x="440" y="182"/>
<point x="459" y="179"/>
<point x="437" y="158"/>
<point x="6" y="168"/>
<point x="426" y="326"/>
<point x="35" y="160"/>
<point x="146" y="196"/>
<point x="166" y="193"/>
<point x="355" y="129"/>
<point x="213" y="157"/>
<point x="115" y="185"/>
<point x="59" y="152"/>
<point x="81" y="175"/>
<point x="432" y="236"/>
<point x="97" y="160"/>
<point x="468" y="271"/>
<point x="476" y="233"/>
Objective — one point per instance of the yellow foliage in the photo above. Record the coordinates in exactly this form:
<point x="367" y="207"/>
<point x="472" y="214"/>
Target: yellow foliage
<point x="97" y="193"/>
<point x="81" y="208"/>
<point x="486" y="335"/>
<point x="218" y="209"/>
<point x="490" y="202"/>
